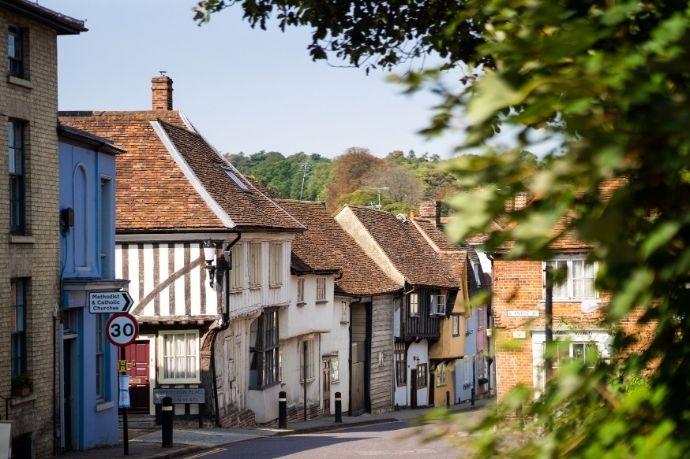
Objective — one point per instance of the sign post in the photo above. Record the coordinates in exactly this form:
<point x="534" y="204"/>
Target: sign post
<point x="109" y="302"/>
<point x="121" y="330"/>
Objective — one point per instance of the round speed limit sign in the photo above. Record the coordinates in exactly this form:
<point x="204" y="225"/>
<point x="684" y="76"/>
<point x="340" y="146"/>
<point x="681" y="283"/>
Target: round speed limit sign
<point x="122" y="329"/>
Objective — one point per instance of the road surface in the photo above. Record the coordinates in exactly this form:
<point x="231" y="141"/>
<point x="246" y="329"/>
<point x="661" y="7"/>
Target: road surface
<point x="390" y="440"/>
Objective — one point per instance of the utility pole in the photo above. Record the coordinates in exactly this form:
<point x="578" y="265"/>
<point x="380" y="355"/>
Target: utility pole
<point x="305" y="168"/>
<point x="379" y="190"/>
<point x="548" y="324"/>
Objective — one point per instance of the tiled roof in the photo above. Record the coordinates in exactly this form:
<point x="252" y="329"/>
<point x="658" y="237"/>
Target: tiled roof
<point x="408" y="250"/>
<point x="454" y="256"/>
<point x="325" y="245"/>
<point x="153" y="191"/>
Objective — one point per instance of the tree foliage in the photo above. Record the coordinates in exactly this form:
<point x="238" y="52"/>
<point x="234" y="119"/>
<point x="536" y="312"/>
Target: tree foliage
<point x="609" y="82"/>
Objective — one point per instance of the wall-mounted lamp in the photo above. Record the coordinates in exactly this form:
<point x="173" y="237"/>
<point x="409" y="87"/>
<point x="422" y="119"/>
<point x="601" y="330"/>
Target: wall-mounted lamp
<point x="216" y="271"/>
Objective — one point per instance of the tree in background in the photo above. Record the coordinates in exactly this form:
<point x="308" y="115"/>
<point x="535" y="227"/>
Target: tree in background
<point x="608" y="83"/>
<point x="348" y="173"/>
<point x="399" y="183"/>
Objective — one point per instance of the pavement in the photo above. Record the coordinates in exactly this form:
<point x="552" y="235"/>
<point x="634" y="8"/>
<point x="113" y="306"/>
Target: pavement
<point x="146" y="443"/>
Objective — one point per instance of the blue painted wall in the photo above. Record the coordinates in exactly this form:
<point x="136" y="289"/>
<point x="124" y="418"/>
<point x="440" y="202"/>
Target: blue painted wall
<point x="464" y="368"/>
<point x="81" y="170"/>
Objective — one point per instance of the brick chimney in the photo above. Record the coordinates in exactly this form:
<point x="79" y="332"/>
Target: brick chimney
<point x="161" y="93"/>
<point x="431" y="210"/>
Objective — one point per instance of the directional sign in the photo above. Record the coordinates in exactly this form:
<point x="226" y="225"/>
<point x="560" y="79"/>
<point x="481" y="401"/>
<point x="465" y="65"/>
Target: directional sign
<point x="108" y="302"/>
<point x="122" y="329"/>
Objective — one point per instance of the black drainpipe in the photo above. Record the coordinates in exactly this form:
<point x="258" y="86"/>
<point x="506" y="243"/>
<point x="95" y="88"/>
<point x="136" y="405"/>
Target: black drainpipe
<point x="226" y="324"/>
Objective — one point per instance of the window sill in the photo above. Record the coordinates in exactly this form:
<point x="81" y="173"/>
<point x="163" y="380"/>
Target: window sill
<point x="274" y="286"/>
<point x="103" y="406"/>
<point x="235" y="290"/>
<point x="254" y="288"/>
<point x="15" y="401"/>
<point x="24" y="83"/>
<point x="321" y="301"/>
<point x="301" y="303"/>
<point x="21" y="239"/>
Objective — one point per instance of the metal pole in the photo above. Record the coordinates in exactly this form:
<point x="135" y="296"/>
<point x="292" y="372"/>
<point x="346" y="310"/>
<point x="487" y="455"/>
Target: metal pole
<point x="125" y="428"/>
<point x="338" y="407"/>
<point x="304" y="377"/>
<point x="282" y="410"/>
<point x="167" y="413"/>
<point x="548" y="323"/>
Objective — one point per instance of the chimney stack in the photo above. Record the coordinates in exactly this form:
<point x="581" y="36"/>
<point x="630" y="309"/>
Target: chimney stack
<point x="161" y="93"/>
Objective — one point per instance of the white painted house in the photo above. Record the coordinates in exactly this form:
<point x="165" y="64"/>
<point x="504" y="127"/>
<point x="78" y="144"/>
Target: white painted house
<point x="210" y="324"/>
<point x="355" y="353"/>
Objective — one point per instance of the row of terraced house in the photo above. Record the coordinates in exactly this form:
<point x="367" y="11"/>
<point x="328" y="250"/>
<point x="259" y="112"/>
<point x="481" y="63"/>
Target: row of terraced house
<point x="239" y="295"/>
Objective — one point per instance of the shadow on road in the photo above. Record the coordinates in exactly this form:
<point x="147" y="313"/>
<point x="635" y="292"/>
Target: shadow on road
<point x="271" y="447"/>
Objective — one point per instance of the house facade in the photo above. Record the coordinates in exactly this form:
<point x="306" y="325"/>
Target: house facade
<point x="430" y="284"/>
<point x="357" y="351"/>
<point x="208" y="257"/>
<point x="30" y="248"/>
<point x="88" y="384"/>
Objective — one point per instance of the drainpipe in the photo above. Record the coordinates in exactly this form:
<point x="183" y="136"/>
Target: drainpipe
<point x="223" y="327"/>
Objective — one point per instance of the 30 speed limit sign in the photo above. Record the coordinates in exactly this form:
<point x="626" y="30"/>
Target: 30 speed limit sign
<point x="122" y="329"/>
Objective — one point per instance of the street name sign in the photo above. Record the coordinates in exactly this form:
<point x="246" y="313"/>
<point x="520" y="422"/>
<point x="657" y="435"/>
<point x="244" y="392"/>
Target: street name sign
<point x="180" y="395"/>
<point x="108" y="302"/>
<point x="523" y="313"/>
<point x="122" y="329"/>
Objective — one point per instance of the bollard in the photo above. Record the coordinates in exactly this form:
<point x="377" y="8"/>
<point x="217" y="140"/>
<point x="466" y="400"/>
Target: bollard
<point x="472" y="397"/>
<point x="447" y="399"/>
<point x="338" y="408"/>
<point x="282" y="410"/>
<point x="167" y="412"/>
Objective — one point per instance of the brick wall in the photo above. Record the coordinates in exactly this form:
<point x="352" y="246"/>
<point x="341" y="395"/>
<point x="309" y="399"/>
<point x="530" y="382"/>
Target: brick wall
<point x="518" y="286"/>
<point x="35" y="256"/>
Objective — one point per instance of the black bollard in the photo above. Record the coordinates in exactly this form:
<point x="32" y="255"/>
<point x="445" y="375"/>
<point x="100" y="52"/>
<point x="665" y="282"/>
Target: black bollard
<point x="447" y="399"/>
<point x="338" y="408"/>
<point x="472" y="397"/>
<point x="167" y="412"/>
<point x="282" y="410"/>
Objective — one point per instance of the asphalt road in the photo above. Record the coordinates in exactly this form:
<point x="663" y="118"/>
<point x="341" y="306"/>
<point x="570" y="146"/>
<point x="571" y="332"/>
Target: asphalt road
<point x="394" y="439"/>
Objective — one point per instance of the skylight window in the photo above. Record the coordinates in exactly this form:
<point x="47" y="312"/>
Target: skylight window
<point x="243" y="186"/>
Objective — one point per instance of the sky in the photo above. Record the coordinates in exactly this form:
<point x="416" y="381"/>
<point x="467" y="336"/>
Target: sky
<point x="246" y="90"/>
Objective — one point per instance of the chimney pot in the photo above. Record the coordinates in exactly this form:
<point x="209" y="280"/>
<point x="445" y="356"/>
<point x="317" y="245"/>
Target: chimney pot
<point x="161" y="93"/>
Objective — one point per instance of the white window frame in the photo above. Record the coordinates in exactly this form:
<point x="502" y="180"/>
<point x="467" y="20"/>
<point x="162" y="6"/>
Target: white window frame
<point x="237" y="270"/>
<point x="300" y="291"/>
<point x="321" y="289"/>
<point x="437" y="304"/>
<point x="255" y="262"/>
<point x="413" y="300"/>
<point x="310" y="360"/>
<point x="440" y="375"/>
<point x="275" y="264"/>
<point x="161" y="358"/>
<point x="569" y="281"/>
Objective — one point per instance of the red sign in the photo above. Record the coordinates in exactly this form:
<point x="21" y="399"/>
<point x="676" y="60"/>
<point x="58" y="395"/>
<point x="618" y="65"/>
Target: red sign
<point x="122" y="329"/>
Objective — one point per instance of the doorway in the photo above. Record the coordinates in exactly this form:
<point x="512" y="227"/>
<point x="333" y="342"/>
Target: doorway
<point x="137" y="356"/>
<point x="70" y="392"/>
